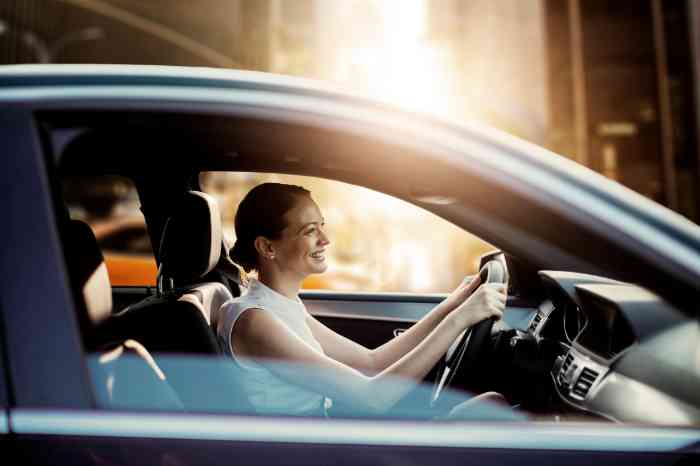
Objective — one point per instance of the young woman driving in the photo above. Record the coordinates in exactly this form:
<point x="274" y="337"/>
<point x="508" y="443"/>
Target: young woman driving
<point x="280" y="234"/>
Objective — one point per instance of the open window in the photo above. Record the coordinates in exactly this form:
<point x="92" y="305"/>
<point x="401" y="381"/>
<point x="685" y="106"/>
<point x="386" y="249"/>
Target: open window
<point x="378" y="243"/>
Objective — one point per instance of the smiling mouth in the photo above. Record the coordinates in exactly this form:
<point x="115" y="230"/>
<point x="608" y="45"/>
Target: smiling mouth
<point x="320" y="255"/>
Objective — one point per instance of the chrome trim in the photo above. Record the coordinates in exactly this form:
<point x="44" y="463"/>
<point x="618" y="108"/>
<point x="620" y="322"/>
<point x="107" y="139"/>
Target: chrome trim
<point x="440" y="385"/>
<point x="535" y="435"/>
<point x="358" y="316"/>
<point x="372" y="296"/>
<point x="369" y="310"/>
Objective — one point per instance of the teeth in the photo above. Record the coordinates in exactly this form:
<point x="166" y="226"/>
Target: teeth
<point x="317" y="255"/>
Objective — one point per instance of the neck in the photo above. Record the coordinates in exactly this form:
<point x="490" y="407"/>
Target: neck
<point x="280" y="282"/>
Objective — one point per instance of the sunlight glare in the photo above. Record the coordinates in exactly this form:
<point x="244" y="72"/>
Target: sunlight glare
<point x="404" y="68"/>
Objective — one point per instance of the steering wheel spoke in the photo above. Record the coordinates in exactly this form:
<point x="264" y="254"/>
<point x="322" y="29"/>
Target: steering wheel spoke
<point x="475" y="343"/>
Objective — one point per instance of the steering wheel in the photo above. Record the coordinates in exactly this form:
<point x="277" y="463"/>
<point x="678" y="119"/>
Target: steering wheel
<point x="474" y="343"/>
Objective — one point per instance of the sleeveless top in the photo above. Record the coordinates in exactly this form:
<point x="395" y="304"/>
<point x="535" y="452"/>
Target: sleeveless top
<point x="268" y="393"/>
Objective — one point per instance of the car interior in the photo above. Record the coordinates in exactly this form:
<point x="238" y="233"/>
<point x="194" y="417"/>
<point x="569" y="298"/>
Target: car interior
<point x="573" y="345"/>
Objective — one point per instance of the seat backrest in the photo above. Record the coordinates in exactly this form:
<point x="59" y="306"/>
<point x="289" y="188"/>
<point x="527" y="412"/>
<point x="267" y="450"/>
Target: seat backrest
<point x="126" y="376"/>
<point x="87" y="271"/>
<point x="190" y="245"/>
<point x="177" y="320"/>
<point x="188" y="250"/>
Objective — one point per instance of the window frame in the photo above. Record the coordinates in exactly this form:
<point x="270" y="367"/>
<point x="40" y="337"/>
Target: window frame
<point x="36" y="258"/>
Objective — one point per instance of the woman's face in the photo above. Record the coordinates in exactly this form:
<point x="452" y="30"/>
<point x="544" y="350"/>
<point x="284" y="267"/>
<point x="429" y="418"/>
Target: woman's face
<point x="302" y="247"/>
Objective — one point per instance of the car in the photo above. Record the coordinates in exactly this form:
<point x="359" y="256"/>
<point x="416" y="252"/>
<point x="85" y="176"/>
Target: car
<point x="598" y="353"/>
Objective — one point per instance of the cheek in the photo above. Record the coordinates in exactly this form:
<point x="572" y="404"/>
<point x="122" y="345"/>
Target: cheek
<point x="298" y="249"/>
<point x="306" y="246"/>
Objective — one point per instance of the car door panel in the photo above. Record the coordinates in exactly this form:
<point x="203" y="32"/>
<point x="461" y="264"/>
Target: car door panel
<point x="145" y="438"/>
<point x="370" y="323"/>
<point x="373" y="319"/>
<point x="146" y="452"/>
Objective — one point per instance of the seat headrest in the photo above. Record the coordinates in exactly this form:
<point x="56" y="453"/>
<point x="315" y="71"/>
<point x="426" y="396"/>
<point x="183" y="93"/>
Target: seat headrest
<point x="191" y="242"/>
<point x="87" y="270"/>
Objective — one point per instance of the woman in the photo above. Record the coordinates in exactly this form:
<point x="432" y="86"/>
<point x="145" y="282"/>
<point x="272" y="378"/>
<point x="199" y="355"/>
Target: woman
<point x="280" y="234"/>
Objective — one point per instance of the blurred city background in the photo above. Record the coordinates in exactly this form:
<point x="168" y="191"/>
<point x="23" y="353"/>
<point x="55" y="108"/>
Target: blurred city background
<point x="610" y="84"/>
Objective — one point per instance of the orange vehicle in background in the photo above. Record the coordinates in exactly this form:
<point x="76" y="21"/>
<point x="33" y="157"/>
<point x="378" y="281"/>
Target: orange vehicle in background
<point x="127" y="250"/>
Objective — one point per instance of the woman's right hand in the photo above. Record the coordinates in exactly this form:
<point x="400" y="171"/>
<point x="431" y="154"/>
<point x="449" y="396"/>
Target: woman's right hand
<point x="489" y="300"/>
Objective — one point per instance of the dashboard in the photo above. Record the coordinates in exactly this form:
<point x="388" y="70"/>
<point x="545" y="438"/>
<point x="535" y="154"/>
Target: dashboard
<point x="620" y="352"/>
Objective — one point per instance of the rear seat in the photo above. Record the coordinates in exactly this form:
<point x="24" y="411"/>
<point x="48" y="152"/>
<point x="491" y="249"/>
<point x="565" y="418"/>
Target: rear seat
<point x="124" y="376"/>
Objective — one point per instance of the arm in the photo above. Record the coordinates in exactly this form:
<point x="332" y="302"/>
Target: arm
<point x="374" y="361"/>
<point x="260" y="335"/>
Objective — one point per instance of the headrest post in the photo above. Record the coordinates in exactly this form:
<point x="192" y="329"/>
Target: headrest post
<point x="165" y="284"/>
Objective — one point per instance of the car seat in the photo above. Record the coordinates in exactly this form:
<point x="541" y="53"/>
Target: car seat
<point x="124" y="376"/>
<point x="177" y="319"/>
<point x="175" y="324"/>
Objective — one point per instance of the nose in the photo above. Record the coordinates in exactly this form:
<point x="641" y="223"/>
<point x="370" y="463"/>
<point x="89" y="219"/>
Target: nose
<point x="323" y="239"/>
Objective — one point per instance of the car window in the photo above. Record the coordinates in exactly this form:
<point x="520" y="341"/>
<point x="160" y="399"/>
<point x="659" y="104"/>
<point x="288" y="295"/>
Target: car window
<point x="110" y="205"/>
<point x="378" y="243"/>
<point x="127" y="381"/>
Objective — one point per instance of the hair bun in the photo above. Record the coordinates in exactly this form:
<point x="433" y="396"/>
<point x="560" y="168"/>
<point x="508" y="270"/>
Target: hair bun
<point x="238" y="256"/>
<point x="235" y="251"/>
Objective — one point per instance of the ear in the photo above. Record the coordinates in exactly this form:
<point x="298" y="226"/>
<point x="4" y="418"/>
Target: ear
<point x="265" y="248"/>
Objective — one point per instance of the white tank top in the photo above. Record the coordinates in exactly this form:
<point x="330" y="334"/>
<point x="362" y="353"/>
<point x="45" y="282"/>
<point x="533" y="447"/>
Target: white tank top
<point x="268" y="393"/>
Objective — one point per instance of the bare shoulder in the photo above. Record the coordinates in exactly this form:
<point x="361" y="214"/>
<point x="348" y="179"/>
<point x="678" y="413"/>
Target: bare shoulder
<point x="256" y="323"/>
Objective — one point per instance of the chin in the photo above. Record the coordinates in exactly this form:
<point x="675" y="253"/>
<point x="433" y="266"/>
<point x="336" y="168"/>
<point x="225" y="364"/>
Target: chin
<point x="319" y="268"/>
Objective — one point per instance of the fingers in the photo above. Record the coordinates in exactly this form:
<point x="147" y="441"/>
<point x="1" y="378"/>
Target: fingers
<point x="465" y="289"/>
<point x="495" y="298"/>
<point x="497" y="287"/>
<point x="470" y="283"/>
<point x="487" y="301"/>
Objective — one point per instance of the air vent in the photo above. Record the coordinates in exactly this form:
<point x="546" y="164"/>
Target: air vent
<point x="584" y="382"/>
<point x="561" y="378"/>
<point x="535" y="321"/>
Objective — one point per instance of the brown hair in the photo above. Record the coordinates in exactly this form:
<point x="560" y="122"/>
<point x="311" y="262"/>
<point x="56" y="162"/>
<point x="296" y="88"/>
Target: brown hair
<point x="261" y="213"/>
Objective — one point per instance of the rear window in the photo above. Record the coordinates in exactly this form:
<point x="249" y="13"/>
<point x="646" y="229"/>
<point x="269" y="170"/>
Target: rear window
<point x="110" y="205"/>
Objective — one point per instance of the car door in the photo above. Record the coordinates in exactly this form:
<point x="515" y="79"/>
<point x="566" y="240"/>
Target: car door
<point x="53" y="416"/>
